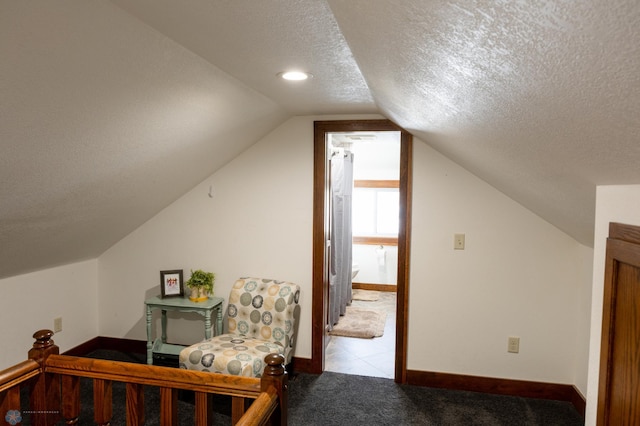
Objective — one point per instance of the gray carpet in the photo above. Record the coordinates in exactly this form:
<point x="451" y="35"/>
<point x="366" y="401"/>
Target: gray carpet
<point x="339" y="399"/>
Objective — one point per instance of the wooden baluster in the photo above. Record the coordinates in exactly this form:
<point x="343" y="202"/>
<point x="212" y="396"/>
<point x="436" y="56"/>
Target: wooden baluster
<point x="238" y="408"/>
<point x="70" y="399"/>
<point x="9" y="401"/>
<point x="168" y="406"/>
<point x="44" y="395"/>
<point x="275" y="375"/>
<point x="102" y="401"/>
<point x="135" y="404"/>
<point x="204" y="409"/>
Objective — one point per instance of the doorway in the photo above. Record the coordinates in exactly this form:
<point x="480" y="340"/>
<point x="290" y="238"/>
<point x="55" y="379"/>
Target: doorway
<point x="321" y="244"/>
<point x="364" y="210"/>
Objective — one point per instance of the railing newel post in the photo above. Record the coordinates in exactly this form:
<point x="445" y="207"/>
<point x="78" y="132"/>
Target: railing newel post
<point x="44" y="393"/>
<point x="276" y="375"/>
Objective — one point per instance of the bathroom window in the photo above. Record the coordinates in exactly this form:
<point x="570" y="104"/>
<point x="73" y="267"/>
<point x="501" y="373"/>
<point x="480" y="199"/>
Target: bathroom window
<point x="375" y="209"/>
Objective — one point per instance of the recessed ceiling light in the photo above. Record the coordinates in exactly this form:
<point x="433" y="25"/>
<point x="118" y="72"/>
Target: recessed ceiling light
<point x="295" y="75"/>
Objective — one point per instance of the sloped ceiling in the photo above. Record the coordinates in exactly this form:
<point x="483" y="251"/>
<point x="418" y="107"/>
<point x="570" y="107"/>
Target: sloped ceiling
<point x="109" y="111"/>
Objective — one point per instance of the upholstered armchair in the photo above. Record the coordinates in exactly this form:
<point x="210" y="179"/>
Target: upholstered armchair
<point x="261" y="319"/>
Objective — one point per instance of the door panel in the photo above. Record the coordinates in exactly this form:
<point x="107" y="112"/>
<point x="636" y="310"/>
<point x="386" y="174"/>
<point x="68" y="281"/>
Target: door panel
<point x="619" y="388"/>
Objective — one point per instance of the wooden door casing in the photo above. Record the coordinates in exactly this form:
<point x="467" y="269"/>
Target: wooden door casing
<point x="320" y="230"/>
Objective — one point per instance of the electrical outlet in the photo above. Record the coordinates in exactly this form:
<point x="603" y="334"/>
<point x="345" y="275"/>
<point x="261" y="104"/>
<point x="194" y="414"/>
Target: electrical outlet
<point x="57" y="325"/>
<point x="513" y="345"/>
<point x="458" y="241"/>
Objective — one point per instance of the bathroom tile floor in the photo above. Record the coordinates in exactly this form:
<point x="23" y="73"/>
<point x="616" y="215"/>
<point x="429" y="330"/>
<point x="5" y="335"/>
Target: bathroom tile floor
<point x="366" y="357"/>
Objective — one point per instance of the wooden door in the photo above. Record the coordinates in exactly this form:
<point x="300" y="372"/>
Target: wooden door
<point x="619" y="388"/>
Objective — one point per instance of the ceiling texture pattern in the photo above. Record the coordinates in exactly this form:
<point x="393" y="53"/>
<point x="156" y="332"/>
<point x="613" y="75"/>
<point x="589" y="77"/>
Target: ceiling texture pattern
<point x="541" y="99"/>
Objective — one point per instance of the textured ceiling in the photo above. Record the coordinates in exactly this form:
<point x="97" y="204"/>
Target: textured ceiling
<point x="255" y="40"/>
<point x="103" y="123"/>
<point x="98" y="99"/>
<point x="539" y="98"/>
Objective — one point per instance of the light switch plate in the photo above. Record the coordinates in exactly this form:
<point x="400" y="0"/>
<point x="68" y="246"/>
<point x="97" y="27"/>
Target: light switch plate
<point x="57" y="325"/>
<point x="513" y="345"/>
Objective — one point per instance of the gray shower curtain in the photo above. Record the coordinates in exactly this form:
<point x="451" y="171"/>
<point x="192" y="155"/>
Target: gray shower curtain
<point x="340" y="261"/>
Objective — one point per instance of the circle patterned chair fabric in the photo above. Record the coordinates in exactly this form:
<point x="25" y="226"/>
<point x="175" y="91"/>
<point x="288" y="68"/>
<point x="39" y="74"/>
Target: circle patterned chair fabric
<point x="261" y="319"/>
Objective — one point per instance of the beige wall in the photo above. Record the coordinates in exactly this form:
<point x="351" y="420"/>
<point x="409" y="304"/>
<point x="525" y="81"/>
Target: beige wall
<point x="616" y="203"/>
<point x="258" y="223"/>
<point x="519" y="276"/>
<point x="30" y="302"/>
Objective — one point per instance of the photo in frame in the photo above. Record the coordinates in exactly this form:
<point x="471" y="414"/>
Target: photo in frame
<point x="171" y="283"/>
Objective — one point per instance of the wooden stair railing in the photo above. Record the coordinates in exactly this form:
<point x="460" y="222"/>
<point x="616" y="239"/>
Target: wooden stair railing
<point x="11" y="380"/>
<point x="55" y="389"/>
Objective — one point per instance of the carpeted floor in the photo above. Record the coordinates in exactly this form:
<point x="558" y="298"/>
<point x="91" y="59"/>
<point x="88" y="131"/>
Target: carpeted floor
<point x="339" y="399"/>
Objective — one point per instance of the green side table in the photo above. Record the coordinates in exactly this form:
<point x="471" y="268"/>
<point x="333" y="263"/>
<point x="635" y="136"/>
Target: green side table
<point x="180" y="304"/>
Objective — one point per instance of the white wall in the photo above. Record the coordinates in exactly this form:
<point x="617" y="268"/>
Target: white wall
<point x="618" y="203"/>
<point x="519" y="276"/>
<point x="584" y="275"/>
<point x="375" y="268"/>
<point x="379" y="160"/>
<point x="30" y="302"/>
<point x="258" y="223"/>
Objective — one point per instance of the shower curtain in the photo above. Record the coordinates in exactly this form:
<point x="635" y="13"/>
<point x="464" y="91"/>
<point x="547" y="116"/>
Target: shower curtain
<point x="340" y="261"/>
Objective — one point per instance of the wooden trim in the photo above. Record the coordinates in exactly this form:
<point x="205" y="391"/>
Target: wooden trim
<point x="84" y="348"/>
<point x="578" y="401"/>
<point x="375" y="241"/>
<point x="376" y="287"/>
<point x="496" y="386"/>
<point x="376" y="183"/>
<point x="320" y="278"/>
<point x="124" y="345"/>
<point x="379" y="125"/>
<point x="302" y="365"/>
<point x="110" y="343"/>
<point x="404" y="256"/>
<point x="320" y="259"/>
<point x="608" y="322"/>
<point x="621" y="231"/>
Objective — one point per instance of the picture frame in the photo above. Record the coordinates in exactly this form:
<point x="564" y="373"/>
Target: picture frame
<point x="171" y="284"/>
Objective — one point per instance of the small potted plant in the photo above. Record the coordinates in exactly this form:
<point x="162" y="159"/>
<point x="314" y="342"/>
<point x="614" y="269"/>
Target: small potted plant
<point x="201" y="285"/>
